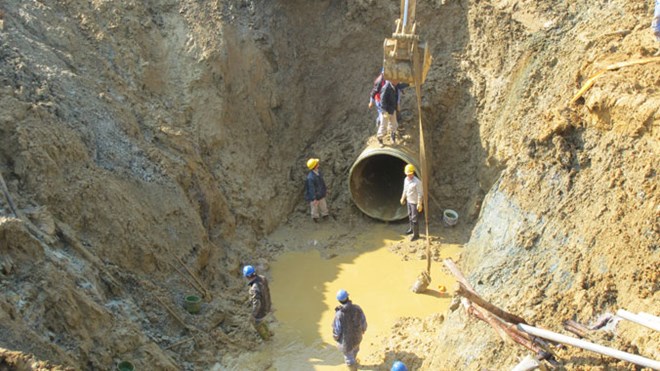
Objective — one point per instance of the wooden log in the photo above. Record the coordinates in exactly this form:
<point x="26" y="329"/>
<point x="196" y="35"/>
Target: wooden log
<point x="468" y="292"/>
<point x="611" y="352"/>
<point x="637" y="319"/>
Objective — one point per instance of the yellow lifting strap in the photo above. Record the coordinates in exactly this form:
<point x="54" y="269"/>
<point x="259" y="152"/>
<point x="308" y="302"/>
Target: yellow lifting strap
<point x="406" y="59"/>
<point x="422" y="160"/>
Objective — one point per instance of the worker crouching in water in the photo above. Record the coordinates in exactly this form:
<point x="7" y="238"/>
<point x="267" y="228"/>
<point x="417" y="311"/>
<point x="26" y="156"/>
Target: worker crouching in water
<point x="348" y="327"/>
<point x="413" y="192"/>
<point x="315" y="190"/>
<point x="260" y="300"/>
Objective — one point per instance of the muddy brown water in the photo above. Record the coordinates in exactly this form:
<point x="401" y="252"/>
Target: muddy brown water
<point x="305" y="279"/>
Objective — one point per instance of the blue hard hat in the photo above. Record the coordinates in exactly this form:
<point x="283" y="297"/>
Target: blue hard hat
<point x="248" y="271"/>
<point x="399" y="366"/>
<point x="342" y="295"/>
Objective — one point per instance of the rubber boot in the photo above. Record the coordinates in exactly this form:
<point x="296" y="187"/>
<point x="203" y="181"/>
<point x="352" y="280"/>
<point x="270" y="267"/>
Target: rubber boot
<point x="262" y="330"/>
<point x="415" y="235"/>
<point x="410" y="228"/>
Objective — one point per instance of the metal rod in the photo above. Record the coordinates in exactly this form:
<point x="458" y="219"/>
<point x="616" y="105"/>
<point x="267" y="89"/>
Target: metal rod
<point x="639" y="360"/>
<point x="405" y="15"/>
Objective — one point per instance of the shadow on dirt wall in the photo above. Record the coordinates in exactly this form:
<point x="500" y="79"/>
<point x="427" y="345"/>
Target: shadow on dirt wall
<point x="460" y="171"/>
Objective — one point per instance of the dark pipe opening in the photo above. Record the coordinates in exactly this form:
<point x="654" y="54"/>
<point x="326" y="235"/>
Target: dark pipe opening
<point x="376" y="183"/>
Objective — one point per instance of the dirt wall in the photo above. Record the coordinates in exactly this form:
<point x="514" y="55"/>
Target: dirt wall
<point x="135" y="133"/>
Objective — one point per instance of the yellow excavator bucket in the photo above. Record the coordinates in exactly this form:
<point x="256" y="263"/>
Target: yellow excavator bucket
<point x="404" y="55"/>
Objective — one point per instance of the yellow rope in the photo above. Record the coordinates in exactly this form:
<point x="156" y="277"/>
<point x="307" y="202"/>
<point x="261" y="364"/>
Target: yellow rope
<point x="422" y="155"/>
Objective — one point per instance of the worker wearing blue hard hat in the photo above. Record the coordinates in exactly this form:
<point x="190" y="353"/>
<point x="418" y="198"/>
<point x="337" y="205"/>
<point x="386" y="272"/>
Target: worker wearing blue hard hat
<point x="260" y="299"/>
<point x="348" y="327"/>
<point x="399" y="366"/>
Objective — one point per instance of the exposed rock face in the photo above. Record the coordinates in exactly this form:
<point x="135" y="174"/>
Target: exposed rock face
<point x="133" y="133"/>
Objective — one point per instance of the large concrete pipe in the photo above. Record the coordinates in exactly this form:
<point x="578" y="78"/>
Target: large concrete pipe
<point x="376" y="182"/>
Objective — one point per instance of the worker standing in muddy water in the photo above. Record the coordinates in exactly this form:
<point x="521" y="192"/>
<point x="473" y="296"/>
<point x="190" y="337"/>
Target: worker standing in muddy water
<point x="315" y="190"/>
<point x="348" y="328"/>
<point x="260" y="299"/>
<point x="413" y="193"/>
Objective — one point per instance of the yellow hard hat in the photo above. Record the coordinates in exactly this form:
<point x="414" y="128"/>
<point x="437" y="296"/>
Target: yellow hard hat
<point x="312" y="162"/>
<point x="409" y="169"/>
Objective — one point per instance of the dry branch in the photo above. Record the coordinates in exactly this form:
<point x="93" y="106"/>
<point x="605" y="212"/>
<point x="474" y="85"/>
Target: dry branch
<point x="590" y="82"/>
<point x="205" y="293"/>
<point x="33" y="229"/>
<point x="190" y="281"/>
<point x="5" y="191"/>
<point x="179" y="343"/>
<point x="172" y="313"/>
<point x="505" y="331"/>
<point x="576" y="328"/>
<point x="468" y="292"/>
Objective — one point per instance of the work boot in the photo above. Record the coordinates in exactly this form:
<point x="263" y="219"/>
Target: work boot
<point x="415" y="231"/>
<point x="316" y="220"/>
<point x="410" y="229"/>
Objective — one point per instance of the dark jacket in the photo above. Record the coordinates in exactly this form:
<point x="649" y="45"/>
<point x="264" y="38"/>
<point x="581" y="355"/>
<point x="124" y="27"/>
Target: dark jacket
<point x="389" y="98"/>
<point x="315" y="187"/>
<point x="349" y="325"/>
<point x="259" y="297"/>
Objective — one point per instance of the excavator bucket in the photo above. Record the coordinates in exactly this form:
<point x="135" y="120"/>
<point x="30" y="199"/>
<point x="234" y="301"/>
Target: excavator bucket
<point x="404" y="54"/>
<point x="401" y="62"/>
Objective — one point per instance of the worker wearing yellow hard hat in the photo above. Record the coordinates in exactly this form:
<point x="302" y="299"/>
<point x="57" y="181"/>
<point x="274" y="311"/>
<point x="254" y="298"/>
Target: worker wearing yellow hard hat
<point x="414" y="194"/>
<point x="315" y="191"/>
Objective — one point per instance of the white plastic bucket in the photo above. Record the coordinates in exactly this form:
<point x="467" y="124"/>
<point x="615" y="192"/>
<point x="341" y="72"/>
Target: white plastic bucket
<point x="450" y="217"/>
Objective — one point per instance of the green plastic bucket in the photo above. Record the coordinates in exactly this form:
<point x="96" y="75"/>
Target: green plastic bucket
<point x="192" y="304"/>
<point x="125" y="366"/>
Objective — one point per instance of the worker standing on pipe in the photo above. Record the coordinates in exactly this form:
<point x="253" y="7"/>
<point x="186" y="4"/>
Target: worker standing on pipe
<point x="389" y="102"/>
<point x="315" y="190"/>
<point x="374" y="97"/>
<point x="414" y="194"/>
<point x="348" y="327"/>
